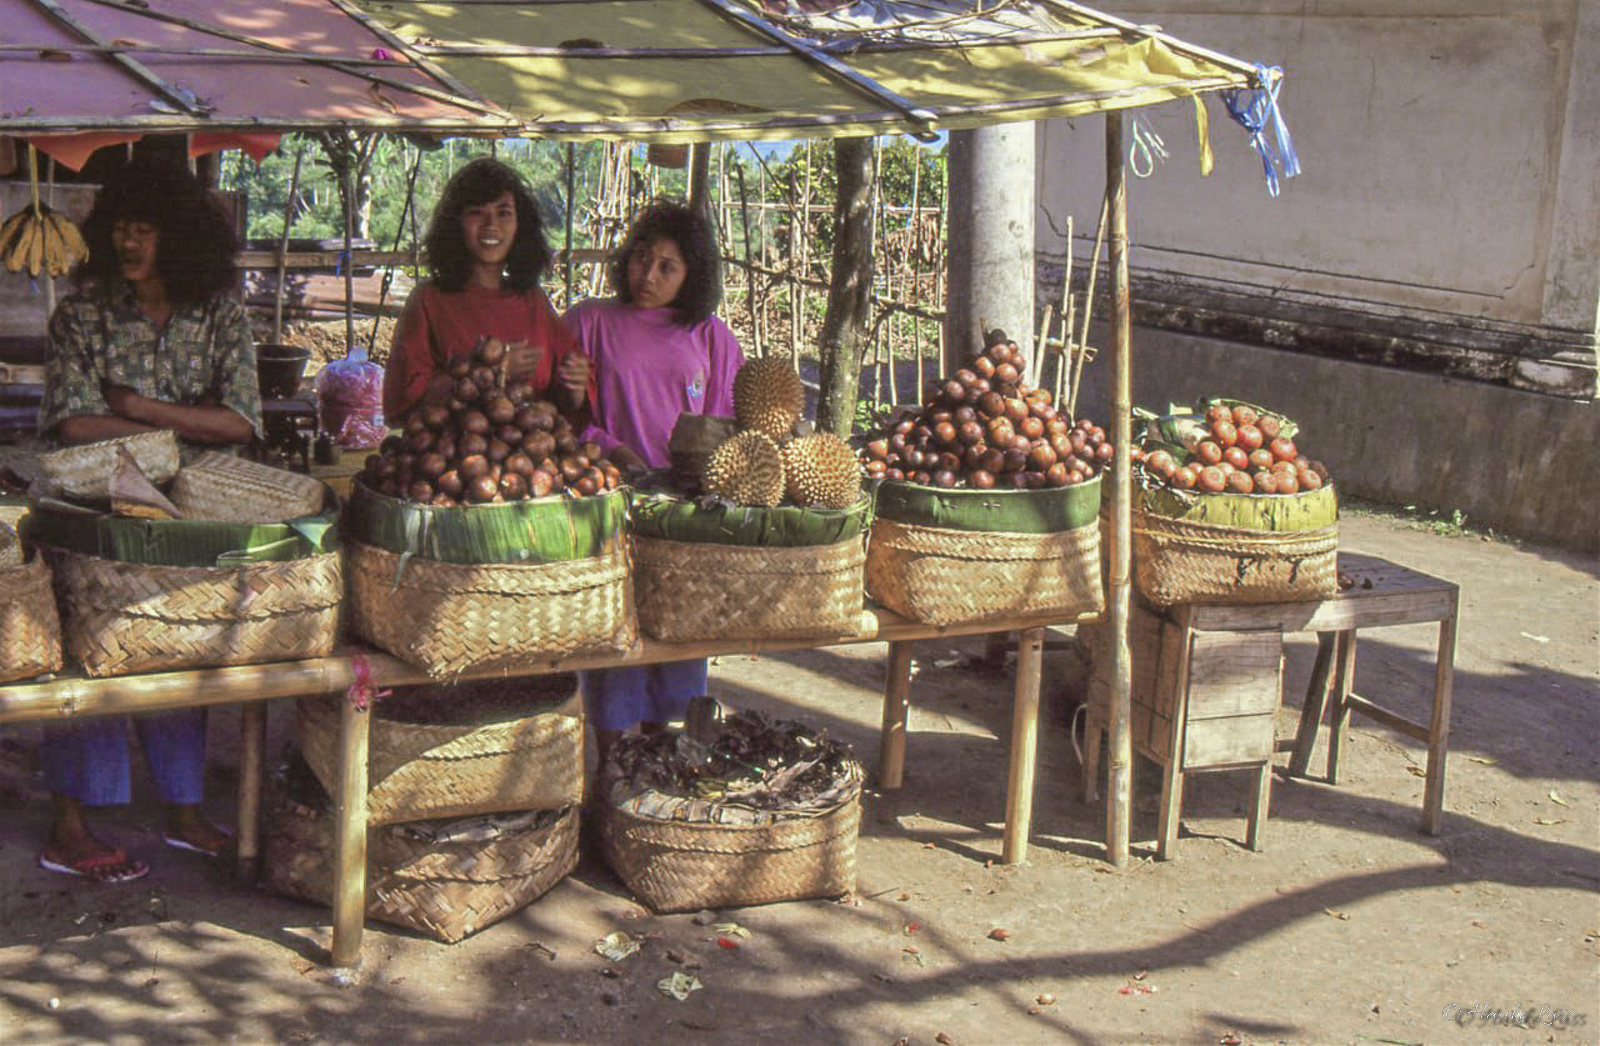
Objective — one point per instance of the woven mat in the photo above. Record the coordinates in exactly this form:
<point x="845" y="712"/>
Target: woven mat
<point x="942" y="577"/>
<point x="688" y="591"/>
<point x="446" y="618"/>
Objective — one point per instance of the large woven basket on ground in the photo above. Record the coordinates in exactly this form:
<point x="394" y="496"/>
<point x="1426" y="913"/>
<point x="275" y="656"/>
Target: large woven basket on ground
<point x="230" y="489"/>
<point x="136" y="617"/>
<point x="679" y="866"/>
<point x="1235" y="548"/>
<point x="946" y="557"/>
<point x="449" y="751"/>
<point x="30" y="630"/>
<point x="84" y="470"/>
<point x="446" y="879"/>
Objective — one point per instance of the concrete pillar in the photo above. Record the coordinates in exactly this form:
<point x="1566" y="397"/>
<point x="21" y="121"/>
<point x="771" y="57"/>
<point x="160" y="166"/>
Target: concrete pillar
<point x="991" y="238"/>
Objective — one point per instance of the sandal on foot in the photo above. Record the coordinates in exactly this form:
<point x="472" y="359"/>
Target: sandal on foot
<point x="96" y="868"/>
<point x="180" y="843"/>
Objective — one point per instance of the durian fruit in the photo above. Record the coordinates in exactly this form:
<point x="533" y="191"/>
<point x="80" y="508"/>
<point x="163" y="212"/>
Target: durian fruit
<point x="822" y="470"/>
<point x="746" y="470"/>
<point x="768" y="397"/>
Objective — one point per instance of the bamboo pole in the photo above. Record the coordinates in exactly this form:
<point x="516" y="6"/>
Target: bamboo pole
<point x="1024" y="746"/>
<point x="896" y="713"/>
<point x="283" y="247"/>
<point x="805" y="244"/>
<point x="1082" y="350"/>
<point x="1119" y="797"/>
<point x="572" y="207"/>
<point x="252" y="757"/>
<point x="1067" y="325"/>
<point x="347" y="203"/>
<point x="795" y="290"/>
<point x="350" y="852"/>
<point x="749" y="267"/>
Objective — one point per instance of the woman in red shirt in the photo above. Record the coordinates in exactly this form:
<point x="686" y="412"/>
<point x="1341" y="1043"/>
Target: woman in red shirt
<point x="486" y="252"/>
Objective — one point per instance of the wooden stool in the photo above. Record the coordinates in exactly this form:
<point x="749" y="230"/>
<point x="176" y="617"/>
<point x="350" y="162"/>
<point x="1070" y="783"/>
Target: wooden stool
<point x="1202" y="701"/>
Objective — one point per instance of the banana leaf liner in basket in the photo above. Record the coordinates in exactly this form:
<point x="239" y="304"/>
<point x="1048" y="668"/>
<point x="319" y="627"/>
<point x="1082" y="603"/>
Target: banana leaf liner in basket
<point x="945" y="557"/>
<point x="717" y="571"/>
<point x="679" y="852"/>
<point x="30" y="629"/>
<point x="229" y="489"/>
<point x="490" y="586"/>
<point x="84" y="470"/>
<point x="140" y="595"/>
<point x="482" y="746"/>
<point x="447" y="879"/>
<point x="1235" y="548"/>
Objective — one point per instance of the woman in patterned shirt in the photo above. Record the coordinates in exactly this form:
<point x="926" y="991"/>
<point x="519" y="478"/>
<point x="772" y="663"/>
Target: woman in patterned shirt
<point x="151" y="340"/>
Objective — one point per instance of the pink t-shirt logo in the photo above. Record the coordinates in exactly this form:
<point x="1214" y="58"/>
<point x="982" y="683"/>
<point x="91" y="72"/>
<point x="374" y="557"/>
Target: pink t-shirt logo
<point x="696" y="387"/>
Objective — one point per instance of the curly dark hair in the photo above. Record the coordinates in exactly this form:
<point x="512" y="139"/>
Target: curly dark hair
<point x="480" y="182"/>
<point x="672" y="220"/>
<point x="196" y="249"/>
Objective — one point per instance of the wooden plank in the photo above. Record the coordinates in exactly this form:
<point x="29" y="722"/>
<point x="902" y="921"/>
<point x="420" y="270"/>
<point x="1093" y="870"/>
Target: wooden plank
<point x="896" y="711"/>
<point x="1439" y="727"/>
<point x="1315" y="706"/>
<point x="1334" y="615"/>
<point x="1235" y="673"/>
<point x="1359" y="704"/>
<point x="1024" y="747"/>
<point x="1219" y="742"/>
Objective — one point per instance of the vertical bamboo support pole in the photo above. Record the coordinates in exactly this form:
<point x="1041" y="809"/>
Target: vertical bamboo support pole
<point x="572" y="207"/>
<point x="350" y="855"/>
<point x="347" y="192"/>
<point x="1119" y="791"/>
<point x="252" y="756"/>
<point x="795" y="235"/>
<point x="283" y="249"/>
<point x="1024" y="746"/>
<point x="749" y="272"/>
<point x="896" y="713"/>
<point x="805" y="245"/>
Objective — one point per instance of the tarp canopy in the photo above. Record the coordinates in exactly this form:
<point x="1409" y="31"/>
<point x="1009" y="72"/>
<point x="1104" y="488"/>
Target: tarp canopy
<point x="642" y="70"/>
<point x="687" y="70"/>
<point x="214" y="66"/>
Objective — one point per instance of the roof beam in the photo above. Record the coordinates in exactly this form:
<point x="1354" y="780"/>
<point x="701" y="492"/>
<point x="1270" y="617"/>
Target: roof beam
<point x="184" y="100"/>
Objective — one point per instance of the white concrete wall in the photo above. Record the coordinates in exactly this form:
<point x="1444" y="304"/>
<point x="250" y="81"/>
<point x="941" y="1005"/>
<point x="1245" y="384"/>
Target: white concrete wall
<point x="1450" y="151"/>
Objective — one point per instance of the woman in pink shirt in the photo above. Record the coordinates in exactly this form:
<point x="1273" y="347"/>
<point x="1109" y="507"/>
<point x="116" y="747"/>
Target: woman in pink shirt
<point x="656" y="351"/>
<point x="486" y="251"/>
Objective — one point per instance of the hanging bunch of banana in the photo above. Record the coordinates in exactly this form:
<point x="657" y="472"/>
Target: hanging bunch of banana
<point x="38" y="239"/>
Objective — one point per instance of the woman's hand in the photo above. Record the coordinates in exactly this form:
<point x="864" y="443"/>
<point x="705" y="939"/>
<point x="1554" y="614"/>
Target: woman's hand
<point x="628" y="460"/>
<point x="573" y="374"/>
<point x="522" y="359"/>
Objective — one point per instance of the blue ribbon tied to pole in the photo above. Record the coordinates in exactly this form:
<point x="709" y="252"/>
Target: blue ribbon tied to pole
<point x="1256" y="110"/>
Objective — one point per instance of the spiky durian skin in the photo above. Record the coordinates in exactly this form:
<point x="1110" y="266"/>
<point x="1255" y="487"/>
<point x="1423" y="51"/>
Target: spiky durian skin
<point x="822" y="470"/>
<point x="768" y="397"/>
<point x="746" y="470"/>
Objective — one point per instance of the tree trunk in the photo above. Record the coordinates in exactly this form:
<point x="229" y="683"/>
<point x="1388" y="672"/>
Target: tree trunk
<point x="347" y="151"/>
<point x="844" y="328"/>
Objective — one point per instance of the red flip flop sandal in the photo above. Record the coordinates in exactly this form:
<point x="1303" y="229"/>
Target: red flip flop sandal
<point x="90" y="867"/>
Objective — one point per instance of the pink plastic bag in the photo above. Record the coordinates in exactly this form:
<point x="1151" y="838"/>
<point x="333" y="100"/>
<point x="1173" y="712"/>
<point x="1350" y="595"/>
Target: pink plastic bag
<point x="350" y="401"/>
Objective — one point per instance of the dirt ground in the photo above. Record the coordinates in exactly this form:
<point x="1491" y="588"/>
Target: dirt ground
<point x="1351" y="926"/>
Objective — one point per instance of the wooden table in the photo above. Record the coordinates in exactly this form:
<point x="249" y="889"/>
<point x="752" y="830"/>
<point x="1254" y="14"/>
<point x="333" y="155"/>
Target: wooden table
<point x="72" y="696"/>
<point x="1380" y="593"/>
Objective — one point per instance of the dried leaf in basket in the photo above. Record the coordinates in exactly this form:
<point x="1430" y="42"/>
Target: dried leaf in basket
<point x="132" y="493"/>
<point x="752" y="762"/>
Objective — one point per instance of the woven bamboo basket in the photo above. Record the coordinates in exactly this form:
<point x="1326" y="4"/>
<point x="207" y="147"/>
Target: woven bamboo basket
<point x="232" y="490"/>
<point x="84" y="471"/>
<point x="1182" y="561"/>
<point x="942" y="576"/>
<point x="30" y="630"/>
<point x="447" y="889"/>
<point x="681" y="866"/>
<point x="135" y="617"/>
<point x="446" y="618"/>
<point x="492" y="746"/>
<point x="688" y="591"/>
